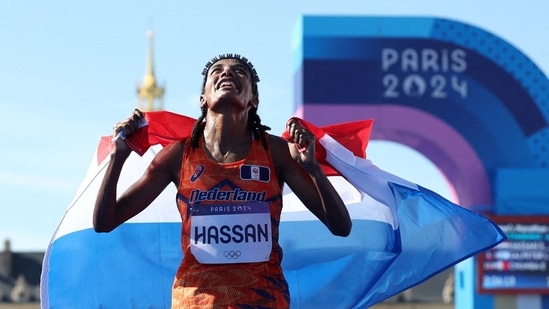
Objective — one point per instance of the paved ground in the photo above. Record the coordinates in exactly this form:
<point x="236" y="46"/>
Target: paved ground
<point x="20" y="306"/>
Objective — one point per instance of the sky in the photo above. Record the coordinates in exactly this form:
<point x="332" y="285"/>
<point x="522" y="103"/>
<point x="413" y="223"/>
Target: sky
<point x="69" y="71"/>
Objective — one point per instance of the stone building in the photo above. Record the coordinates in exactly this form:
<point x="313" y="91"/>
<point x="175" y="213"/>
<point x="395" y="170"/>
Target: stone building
<point x="19" y="275"/>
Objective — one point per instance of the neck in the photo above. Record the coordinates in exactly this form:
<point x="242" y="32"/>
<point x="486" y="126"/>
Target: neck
<point x="227" y="137"/>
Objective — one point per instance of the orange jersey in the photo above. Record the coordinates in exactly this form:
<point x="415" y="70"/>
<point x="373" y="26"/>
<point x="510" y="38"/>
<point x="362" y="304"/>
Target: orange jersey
<point x="247" y="190"/>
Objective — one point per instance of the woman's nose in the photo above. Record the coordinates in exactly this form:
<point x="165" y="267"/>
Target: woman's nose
<point x="227" y="71"/>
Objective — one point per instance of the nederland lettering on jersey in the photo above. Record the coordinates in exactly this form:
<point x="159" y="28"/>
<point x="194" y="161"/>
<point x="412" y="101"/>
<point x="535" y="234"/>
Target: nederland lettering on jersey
<point x="233" y="195"/>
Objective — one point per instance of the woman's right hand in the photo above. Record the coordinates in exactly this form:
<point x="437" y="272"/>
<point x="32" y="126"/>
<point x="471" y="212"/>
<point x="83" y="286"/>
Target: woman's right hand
<point x="124" y="128"/>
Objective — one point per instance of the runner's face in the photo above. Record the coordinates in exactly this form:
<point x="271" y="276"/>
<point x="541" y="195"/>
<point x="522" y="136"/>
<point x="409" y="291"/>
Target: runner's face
<point x="228" y="80"/>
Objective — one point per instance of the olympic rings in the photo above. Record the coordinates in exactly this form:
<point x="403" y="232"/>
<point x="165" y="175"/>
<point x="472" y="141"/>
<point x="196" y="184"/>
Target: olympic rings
<point x="232" y="255"/>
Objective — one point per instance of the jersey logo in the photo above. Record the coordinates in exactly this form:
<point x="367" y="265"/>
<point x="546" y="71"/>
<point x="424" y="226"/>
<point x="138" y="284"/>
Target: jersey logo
<point x="197" y="172"/>
<point x="255" y="172"/>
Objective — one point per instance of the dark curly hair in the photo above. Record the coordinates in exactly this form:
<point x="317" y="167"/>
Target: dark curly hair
<point x="254" y="122"/>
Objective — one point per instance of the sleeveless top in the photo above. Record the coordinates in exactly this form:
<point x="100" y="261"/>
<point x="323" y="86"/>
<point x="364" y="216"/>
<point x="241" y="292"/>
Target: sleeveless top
<point x="226" y="193"/>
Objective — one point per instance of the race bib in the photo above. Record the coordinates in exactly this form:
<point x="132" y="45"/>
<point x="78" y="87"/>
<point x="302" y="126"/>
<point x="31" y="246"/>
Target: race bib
<point x="231" y="233"/>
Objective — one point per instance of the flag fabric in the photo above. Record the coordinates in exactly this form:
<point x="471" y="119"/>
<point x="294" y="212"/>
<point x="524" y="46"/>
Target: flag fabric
<point x="402" y="233"/>
<point x="429" y="233"/>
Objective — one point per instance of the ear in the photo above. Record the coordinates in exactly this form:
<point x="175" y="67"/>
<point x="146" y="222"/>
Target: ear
<point x="254" y="101"/>
<point x="203" y="101"/>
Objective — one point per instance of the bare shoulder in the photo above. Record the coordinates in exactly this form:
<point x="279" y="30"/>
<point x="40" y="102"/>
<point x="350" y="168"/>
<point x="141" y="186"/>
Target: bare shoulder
<point x="174" y="147"/>
<point x="170" y="151"/>
<point x="279" y="145"/>
<point x="169" y="159"/>
<point x="281" y="155"/>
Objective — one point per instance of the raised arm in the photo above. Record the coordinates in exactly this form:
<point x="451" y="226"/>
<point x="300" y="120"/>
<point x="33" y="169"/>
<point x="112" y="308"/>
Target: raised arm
<point x="110" y="212"/>
<point x="299" y="169"/>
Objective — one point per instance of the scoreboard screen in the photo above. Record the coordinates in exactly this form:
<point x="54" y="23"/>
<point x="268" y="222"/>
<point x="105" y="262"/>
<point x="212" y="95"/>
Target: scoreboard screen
<point x="521" y="263"/>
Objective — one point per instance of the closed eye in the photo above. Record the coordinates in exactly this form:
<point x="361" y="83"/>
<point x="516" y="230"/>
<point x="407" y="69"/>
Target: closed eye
<point x="241" y="70"/>
<point x="215" y="69"/>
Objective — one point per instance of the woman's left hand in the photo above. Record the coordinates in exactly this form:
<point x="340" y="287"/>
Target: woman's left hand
<point x="302" y="148"/>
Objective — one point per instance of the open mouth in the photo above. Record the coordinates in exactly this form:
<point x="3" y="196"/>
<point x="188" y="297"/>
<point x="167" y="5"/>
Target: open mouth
<point x="227" y="83"/>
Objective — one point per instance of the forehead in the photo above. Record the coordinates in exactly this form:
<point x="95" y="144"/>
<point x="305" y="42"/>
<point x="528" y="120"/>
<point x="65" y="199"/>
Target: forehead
<point x="228" y="62"/>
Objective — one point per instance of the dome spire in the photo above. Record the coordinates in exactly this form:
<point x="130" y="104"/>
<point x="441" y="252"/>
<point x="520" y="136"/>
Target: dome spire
<point x="148" y="93"/>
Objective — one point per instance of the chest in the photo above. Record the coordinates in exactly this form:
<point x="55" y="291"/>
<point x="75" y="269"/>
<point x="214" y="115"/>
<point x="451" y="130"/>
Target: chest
<point x="249" y="179"/>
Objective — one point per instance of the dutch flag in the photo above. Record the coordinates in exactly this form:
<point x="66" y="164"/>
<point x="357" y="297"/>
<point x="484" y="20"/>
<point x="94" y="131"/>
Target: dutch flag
<point x="402" y="233"/>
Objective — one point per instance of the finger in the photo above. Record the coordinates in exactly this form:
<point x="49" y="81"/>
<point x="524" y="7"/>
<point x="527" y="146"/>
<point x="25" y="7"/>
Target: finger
<point x="291" y="128"/>
<point x="302" y="139"/>
<point x="118" y="127"/>
<point x="299" y="135"/>
<point x="137" y="115"/>
<point x="292" y="125"/>
<point x="125" y="127"/>
<point x="118" y="133"/>
<point x="299" y="132"/>
<point x="289" y="124"/>
<point x="129" y="128"/>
